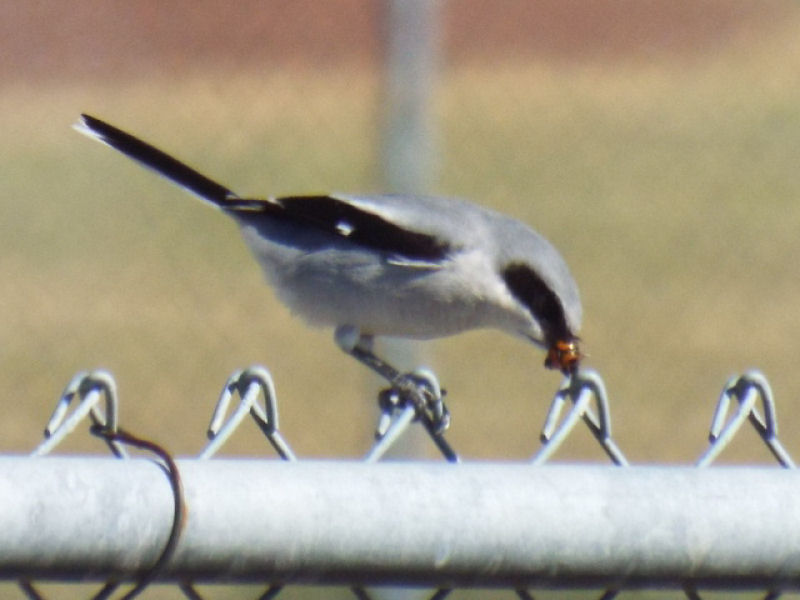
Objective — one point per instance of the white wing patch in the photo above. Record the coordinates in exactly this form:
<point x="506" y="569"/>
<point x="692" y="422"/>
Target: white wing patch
<point x="345" y="228"/>
<point x="410" y="263"/>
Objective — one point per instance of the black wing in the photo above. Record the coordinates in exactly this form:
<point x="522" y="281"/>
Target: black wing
<point x="340" y="218"/>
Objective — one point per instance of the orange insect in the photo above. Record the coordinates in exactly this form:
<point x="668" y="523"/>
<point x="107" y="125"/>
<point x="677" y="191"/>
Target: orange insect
<point x="564" y="355"/>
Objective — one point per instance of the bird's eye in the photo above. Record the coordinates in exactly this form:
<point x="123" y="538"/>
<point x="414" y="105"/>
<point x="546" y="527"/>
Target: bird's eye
<point x="563" y="355"/>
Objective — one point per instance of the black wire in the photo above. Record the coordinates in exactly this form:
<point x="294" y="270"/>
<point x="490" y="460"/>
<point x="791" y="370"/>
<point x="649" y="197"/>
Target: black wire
<point x="179" y="503"/>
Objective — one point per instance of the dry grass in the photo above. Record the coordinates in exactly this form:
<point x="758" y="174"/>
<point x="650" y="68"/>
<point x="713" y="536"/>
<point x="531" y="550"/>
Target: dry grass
<point x="671" y="188"/>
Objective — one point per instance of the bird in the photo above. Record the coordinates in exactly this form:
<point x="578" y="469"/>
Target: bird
<point x="393" y="265"/>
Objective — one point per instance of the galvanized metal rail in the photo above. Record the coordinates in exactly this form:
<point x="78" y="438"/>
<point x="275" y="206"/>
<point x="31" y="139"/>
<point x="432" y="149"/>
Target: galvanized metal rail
<point x="420" y="524"/>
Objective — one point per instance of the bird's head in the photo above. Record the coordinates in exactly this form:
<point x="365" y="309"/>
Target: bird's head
<point x="548" y="299"/>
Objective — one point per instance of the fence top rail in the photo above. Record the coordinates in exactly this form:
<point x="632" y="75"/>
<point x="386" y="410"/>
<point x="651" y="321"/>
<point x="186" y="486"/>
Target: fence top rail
<point x="420" y="523"/>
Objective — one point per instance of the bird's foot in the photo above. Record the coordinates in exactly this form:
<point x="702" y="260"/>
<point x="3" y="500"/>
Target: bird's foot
<point x="419" y="389"/>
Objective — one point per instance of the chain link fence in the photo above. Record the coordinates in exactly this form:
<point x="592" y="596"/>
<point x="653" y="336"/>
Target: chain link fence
<point x="483" y="525"/>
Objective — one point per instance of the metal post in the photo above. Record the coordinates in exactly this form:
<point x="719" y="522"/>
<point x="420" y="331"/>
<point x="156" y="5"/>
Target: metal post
<point x="408" y="153"/>
<point x="412" y="43"/>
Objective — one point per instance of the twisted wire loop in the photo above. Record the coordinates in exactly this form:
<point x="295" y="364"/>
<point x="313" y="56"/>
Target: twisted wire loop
<point x="90" y="387"/>
<point x="579" y="389"/>
<point x="249" y="384"/>
<point x="398" y="412"/>
<point x="747" y="390"/>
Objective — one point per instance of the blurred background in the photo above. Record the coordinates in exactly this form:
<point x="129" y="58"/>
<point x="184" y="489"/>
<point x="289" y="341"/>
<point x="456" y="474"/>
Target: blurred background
<point x="655" y="143"/>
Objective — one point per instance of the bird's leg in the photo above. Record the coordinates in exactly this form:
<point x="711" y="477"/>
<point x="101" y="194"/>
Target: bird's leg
<point x="414" y="387"/>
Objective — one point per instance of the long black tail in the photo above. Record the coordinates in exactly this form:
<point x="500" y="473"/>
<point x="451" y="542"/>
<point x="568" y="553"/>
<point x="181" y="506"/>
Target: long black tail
<point x="155" y="159"/>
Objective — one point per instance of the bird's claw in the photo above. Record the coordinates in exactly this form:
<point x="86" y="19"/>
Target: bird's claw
<point x="419" y="389"/>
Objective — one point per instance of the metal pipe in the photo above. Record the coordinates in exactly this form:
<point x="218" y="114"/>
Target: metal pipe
<point x="426" y="524"/>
